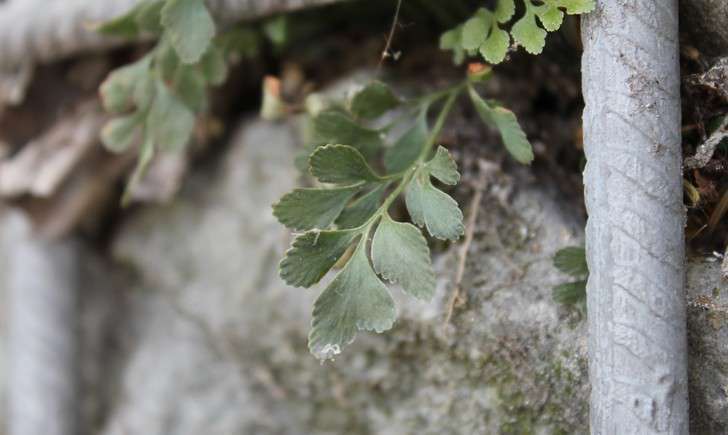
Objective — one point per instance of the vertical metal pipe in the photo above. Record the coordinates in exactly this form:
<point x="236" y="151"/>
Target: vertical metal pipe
<point x="635" y="240"/>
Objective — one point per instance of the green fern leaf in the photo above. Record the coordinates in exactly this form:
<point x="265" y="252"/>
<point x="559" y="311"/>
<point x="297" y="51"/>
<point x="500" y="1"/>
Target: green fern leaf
<point x="496" y="46"/>
<point x="340" y="164"/>
<point x="146" y="154"/>
<point x="505" y="121"/>
<point x="400" y="255"/>
<point x="119" y="133"/>
<point x="361" y="209"/>
<point x="170" y="121"/>
<point x="551" y="17"/>
<point x="148" y="17"/>
<point x="337" y="127"/>
<point x="452" y="40"/>
<point x="189" y="85"/>
<point x="572" y="261"/>
<point x="214" y="66"/>
<point x="481" y="32"/>
<point x="443" y="167"/>
<point x="433" y="208"/>
<point x="575" y="7"/>
<point x="408" y="147"/>
<point x="570" y="293"/>
<point x="504" y="10"/>
<point x="308" y="209"/>
<point x="190" y="27"/>
<point x="476" y="30"/>
<point x="356" y="300"/>
<point x="118" y="90"/>
<point x="123" y="26"/>
<point x="528" y="34"/>
<point x="373" y="100"/>
<point x="312" y="255"/>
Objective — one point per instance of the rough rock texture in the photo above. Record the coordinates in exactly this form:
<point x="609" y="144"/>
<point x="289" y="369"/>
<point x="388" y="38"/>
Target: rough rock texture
<point x="210" y="311"/>
<point x="211" y="341"/>
<point x="234" y="336"/>
<point x="708" y="347"/>
<point x="200" y="336"/>
<point x="190" y="331"/>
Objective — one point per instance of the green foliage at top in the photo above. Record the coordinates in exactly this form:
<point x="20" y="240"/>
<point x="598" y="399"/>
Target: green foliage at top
<point x="484" y="33"/>
<point x="361" y="167"/>
<point x="571" y="261"/>
<point x="156" y="99"/>
<point x="189" y="26"/>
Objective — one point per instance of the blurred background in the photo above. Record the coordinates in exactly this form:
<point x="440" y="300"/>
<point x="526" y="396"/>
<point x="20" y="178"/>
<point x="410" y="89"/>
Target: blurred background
<point x="167" y="316"/>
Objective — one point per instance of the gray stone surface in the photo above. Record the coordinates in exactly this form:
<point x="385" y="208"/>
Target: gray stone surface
<point x="191" y="331"/>
<point x="708" y="347"/>
<point x="216" y="343"/>
<point x="210" y="314"/>
<point x="222" y="341"/>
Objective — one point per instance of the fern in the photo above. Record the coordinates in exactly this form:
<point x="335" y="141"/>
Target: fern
<point x="157" y="98"/>
<point x="349" y="210"/>
<point x="483" y="33"/>
<point x="344" y="221"/>
<point x="571" y="261"/>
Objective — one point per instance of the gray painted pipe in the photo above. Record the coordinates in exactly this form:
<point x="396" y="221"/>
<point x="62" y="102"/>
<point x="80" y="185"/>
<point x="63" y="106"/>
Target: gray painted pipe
<point x="635" y="241"/>
<point x="43" y="339"/>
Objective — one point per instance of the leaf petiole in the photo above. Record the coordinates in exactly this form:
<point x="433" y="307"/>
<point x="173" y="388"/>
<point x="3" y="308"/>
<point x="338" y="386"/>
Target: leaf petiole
<point x="452" y="95"/>
<point x="433" y="97"/>
<point x="407" y="175"/>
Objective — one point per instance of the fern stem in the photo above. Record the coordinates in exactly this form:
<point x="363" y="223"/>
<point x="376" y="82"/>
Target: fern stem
<point x="452" y="95"/>
<point x="438" y="95"/>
